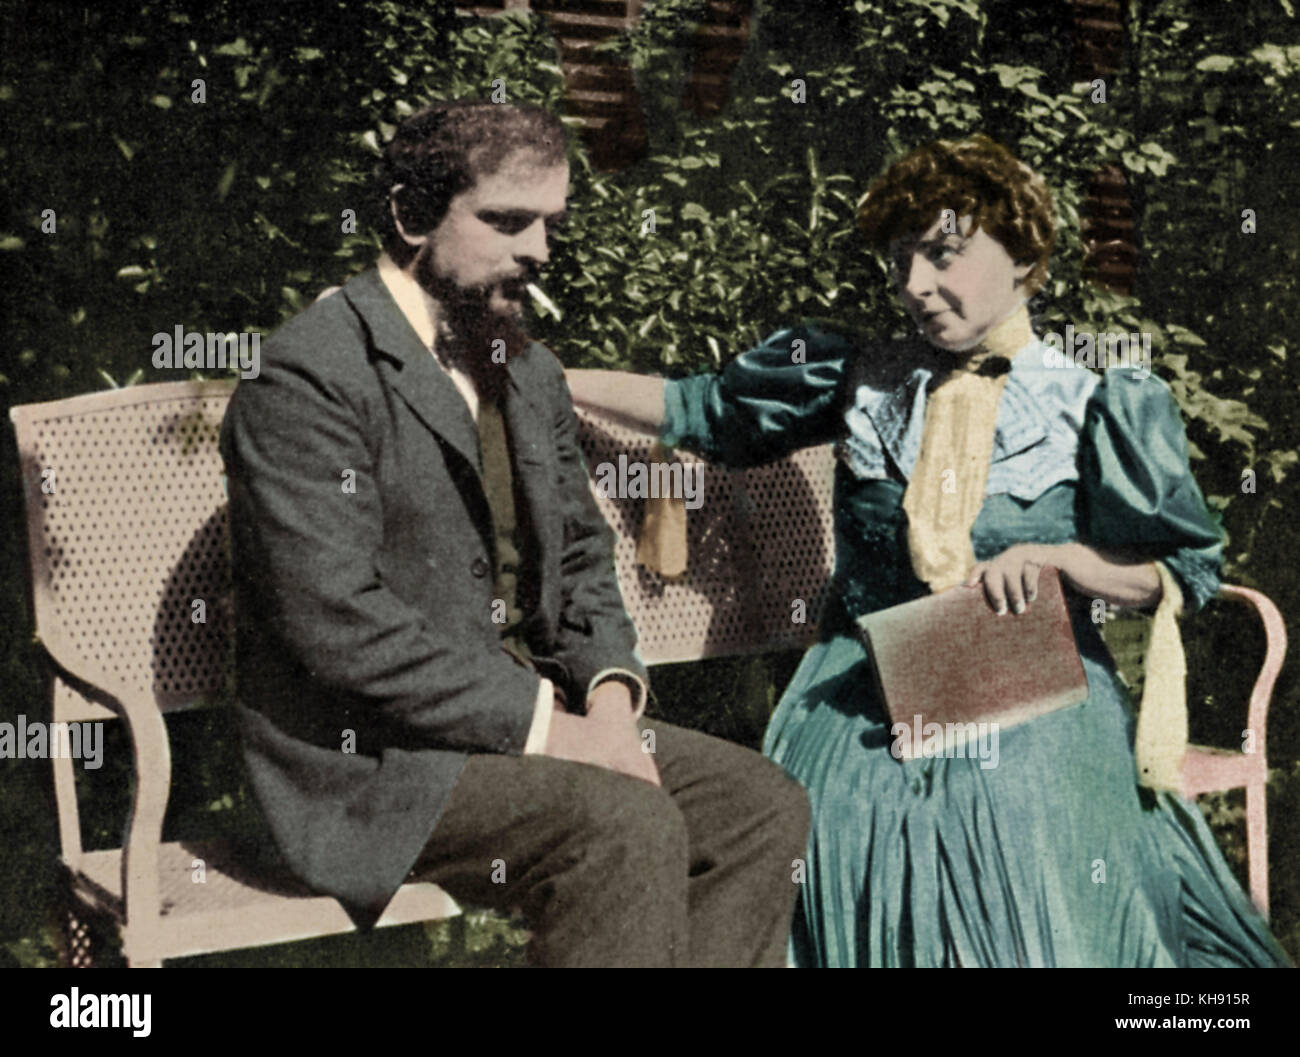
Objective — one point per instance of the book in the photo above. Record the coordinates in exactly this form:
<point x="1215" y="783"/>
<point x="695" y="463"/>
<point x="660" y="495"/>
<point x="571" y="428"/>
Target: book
<point x="950" y="669"/>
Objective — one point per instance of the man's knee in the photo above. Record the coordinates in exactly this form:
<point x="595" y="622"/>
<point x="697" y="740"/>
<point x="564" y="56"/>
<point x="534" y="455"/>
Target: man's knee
<point x="635" y="824"/>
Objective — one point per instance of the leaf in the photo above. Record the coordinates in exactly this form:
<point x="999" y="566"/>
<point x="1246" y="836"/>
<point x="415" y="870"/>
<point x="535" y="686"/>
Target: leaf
<point x="131" y="271"/>
<point x="1183" y="336"/>
<point x="1216" y="63"/>
<point x="1133" y="161"/>
<point x="226" y="181"/>
<point x="1010" y="76"/>
<point x="162" y="102"/>
<point x="695" y="211"/>
<point x="11" y="243"/>
<point x="1271" y="55"/>
<point x="1280" y="463"/>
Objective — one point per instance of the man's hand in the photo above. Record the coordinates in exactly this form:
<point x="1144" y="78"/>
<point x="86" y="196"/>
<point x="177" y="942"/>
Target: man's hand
<point x="606" y="736"/>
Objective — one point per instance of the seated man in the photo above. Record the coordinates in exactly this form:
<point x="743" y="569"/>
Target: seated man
<point x="436" y="674"/>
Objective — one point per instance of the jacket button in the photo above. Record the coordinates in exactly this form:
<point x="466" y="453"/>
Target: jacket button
<point x="479" y="567"/>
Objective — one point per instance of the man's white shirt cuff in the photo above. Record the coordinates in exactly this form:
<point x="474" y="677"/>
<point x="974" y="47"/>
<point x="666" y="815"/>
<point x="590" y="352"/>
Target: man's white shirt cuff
<point x="542" y="712"/>
<point x="634" y="682"/>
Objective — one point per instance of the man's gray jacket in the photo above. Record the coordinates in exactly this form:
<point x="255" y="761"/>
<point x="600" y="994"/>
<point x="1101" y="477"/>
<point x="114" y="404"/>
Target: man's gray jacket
<point x="368" y="663"/>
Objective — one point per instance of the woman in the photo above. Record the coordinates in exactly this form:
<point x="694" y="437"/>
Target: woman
<point x="968" y="457"/>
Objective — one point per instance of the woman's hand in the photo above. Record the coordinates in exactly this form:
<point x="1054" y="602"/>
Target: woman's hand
<point x="1011" y="579"/>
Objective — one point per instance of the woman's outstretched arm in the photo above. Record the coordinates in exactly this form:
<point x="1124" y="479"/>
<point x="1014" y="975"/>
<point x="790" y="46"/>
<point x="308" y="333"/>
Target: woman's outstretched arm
<point x="638" y="399"/>
<point x="783" y="394"/>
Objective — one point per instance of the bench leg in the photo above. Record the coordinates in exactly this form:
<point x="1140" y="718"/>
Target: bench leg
<point x="1257" y="843"/>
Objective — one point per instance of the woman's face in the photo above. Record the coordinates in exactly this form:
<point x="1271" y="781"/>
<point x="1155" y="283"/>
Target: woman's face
<point x="956" y="285"/>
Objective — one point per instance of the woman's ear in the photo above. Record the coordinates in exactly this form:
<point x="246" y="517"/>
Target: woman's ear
<point x="414" y="241"/>
<point x="1021" y="272"/>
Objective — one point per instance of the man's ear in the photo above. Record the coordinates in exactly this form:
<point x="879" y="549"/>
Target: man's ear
<point x="414" y="241"/>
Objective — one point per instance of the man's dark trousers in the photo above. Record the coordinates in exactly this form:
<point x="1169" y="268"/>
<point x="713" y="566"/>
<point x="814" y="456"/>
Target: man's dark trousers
<point x="612" y="871"/>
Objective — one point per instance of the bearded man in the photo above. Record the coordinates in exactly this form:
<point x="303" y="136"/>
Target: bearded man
<point x="436" y="675"/>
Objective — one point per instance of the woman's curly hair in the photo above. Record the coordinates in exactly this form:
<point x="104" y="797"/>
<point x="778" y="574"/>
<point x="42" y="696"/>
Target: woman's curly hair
<point x="975" y="177"/>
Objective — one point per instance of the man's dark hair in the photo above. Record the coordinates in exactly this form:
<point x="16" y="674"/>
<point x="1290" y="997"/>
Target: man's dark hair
<point x="444" y="149"/>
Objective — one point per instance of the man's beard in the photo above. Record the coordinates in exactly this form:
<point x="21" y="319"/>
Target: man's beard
<point x="472" y="335"/>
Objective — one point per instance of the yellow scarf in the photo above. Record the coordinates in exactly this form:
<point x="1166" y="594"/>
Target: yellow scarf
<point x="946" y="490"/>
<point x="1162" y="723"/>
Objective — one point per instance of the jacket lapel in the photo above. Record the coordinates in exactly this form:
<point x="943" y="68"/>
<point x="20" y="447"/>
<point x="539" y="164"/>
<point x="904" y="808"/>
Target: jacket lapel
<point x="431" y="395"/>
<point x="434" y="399"/>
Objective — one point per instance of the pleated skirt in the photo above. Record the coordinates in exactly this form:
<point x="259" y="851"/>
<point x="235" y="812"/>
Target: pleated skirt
<point x="1047" y="854"/>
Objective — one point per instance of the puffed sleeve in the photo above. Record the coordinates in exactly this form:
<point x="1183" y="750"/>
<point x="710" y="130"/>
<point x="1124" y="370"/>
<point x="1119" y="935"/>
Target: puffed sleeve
<point x="1138" y="488"/>
<point x="767" y="402"/>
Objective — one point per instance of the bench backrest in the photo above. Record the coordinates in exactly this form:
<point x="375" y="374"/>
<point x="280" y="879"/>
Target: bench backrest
<point x="760" y="551"/>
<point x="126" y="524"/>
<point x="130" y="579"/>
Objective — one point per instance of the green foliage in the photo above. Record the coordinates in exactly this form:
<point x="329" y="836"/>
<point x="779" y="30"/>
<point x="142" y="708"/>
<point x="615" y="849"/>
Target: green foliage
<point x="225" y="214"/>
<point x="1225" y="94"/>
<point x="754" y="209"/>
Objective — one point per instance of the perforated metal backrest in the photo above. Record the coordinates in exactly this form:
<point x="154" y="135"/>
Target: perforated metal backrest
<point x="126" y="532"/>
<point x="760" y="551"/>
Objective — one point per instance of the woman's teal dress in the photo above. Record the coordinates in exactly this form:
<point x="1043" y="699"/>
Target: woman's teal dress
<point x="1054" y="856"/>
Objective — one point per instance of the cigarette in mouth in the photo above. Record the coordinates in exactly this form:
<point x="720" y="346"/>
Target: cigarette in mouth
<point x="543" y="302"/>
